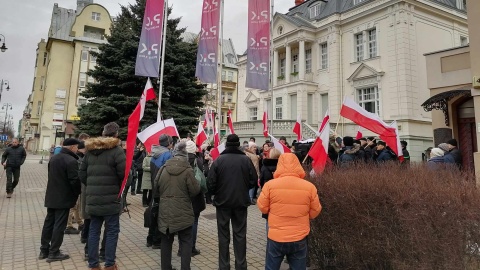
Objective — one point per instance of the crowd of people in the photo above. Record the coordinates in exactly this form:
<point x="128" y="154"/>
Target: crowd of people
<point x="176" y="180"/>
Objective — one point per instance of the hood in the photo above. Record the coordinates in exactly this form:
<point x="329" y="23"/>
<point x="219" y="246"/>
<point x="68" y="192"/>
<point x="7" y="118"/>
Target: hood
<point x="288" y="165"/>
<point x="158" y="150"/>
<point x="352" y="150"/>
<point x="101" y="144"/>
<point x="437" y="159"/>
<point x="176" y="165"/>
<point x="270" y="164"/>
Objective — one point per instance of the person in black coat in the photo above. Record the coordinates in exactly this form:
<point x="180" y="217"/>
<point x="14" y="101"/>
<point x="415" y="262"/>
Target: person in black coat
<point x="231" y="176"/>
<point x="454" y="156"/>
<point x="63" y="188"/>
<point x="267" y="170"/>
<point x="384" y="154"/>
<point x="12" y="159"/>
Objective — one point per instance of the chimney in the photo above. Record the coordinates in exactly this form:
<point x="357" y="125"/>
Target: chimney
<point x="299" y="2"/>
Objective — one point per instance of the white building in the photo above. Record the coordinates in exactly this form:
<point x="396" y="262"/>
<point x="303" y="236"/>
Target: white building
<point x="370" y="50"/>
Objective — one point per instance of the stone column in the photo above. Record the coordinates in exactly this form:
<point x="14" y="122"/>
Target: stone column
<point x="288" y="63"/>
<point x="301" y="60"/>
<point x="276" y="66"/>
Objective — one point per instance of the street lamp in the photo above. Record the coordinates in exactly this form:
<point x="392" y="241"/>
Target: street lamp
<point x="3" y="48"/>
<point x="6" y="106"/>
<point x="4" y="82"/>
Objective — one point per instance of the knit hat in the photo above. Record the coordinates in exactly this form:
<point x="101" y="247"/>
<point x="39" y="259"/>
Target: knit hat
<point x="251" y="144"/>
<point x="70" y="142"/>
<point x="232" y="140"/>
<point x="110" y="129"/>
<point x="180" y="149"/>
<point x="81" y="145"/>
<point x="371" y="138"/>
<point x="444" y="147"/>
<point x="165" y="140"/>
<point x="191" y="147"/>
<point x="453" y="142"/>
<point x="348" y="141"/>
<point x="436" y="152"/>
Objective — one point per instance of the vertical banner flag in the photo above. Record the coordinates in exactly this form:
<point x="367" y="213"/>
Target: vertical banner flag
<point x="148" y="55"/>
<point x="258" y="51"/>
<point x="324" y="121"/>
<point x="319" y="150"/>
<point x="230" y="122"/>
<point x="208" y="43"/>
<point x="297" y="128"/>
<point x="265" y="124"/>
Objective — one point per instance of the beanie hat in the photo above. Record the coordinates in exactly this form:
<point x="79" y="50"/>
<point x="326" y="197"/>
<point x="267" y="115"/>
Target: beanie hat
<point x="444" y="147"/>
<point x="191" y="147"/>
<point x="436" y="152"/>
<point x="453" y="142"/>
<point x="165" y="140"/>
<point x="181" y="149"/>
<point x="81" y="145"/>
<point x="348" y="141"/>
<point x="232" y="140"/>
<point x="70" y="142"/>
<point x="251" y="144"/>
<point x="110" y="129"/>
<point x="371" y="138"/>
<point x="404" y="143"/>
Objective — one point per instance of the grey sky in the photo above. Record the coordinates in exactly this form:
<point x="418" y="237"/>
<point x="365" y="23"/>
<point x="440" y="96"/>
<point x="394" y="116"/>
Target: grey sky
<point x="25" y="22"/>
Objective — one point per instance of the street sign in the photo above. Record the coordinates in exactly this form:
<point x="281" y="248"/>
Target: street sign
<point x="3" y="137"/>
<point x="75" y="117"/>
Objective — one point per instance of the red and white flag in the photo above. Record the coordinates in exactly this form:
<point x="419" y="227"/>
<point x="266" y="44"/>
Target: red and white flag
<point x="297" y="129"/>
<point x="133" y="125"/>
<point x="201" y="135"/>
<point x="359" y="134"/>
<point x="351" y="110"/>
<point x="151" y="135"/>
<point x="216" y="138"/>
<point x="324" y="122"/>
<point x="230" y="122"/>
<point x="215" y="152"/>
<point x="319" y="150"/>
<point x="265" y="124"/>
<point x="207" y="123"/>
<point x="395" y="145"/>
<point x="280" y="146"/>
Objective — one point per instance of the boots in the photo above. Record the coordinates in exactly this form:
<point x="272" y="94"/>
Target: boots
<point x="113" y="267"/>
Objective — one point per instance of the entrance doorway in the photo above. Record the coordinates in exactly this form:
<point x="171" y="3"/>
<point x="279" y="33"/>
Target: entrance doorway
<point x="467" y="133"/>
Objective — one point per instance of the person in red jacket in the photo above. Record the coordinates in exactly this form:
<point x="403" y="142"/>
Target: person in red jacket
<point x="290" y="202"/>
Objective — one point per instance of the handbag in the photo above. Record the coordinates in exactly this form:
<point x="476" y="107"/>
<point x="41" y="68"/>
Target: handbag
<point x="200" y="177"/>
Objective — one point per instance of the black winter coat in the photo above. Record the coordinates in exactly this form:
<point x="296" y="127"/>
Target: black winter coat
<point x="266" y="173"/>
<point x="138" y="158"/>
<point x="102" y="171"/>
<point x="15" y="156"/>
<point x="198" y="202"/>
<point x="63" y="186"/>
<point x="231" y="176"/>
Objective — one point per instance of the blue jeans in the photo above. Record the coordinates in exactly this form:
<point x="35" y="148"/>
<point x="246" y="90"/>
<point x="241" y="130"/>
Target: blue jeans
<point x="112" y="229"/>
<point x="296" y="253"/>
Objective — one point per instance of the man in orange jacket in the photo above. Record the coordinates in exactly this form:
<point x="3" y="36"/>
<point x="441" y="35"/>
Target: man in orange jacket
<point x="290" y="202"/>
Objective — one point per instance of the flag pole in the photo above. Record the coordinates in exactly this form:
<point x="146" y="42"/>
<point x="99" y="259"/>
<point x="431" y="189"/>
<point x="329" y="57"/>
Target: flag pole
<point x="271" y="63"/>
<point x="160" y="87"/>
<point x="220" y="69"/>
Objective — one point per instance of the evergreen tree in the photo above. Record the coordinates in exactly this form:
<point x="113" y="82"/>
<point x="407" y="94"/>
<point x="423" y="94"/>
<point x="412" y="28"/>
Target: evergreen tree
<point x="117" y="90"/>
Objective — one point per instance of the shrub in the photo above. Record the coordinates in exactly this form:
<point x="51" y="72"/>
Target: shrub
<point x="393" y="217"/>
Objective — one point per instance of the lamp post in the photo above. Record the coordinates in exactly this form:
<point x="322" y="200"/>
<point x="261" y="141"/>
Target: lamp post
<point x="3" y="48"/>
<point x="6" y="106"/>
<point x="4" y="82"/>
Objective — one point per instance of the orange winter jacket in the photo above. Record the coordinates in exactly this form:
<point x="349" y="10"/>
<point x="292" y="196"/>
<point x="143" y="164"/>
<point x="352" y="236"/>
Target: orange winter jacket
<point x="290" y="201"/>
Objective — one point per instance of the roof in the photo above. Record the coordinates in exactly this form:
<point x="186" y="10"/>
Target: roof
<point x="230" y="57"/>
<point x="446" y="50"/>
<point x="300" y="15"/>
<point x="62" y="22"/>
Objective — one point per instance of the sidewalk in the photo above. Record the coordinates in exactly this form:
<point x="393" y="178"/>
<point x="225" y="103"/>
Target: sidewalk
<point x="22" y="216"/>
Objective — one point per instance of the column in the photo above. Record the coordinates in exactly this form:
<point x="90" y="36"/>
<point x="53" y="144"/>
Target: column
<point x="276" y="65"/>
<point x="288" y="63"/>
<point x="301" y="60"/>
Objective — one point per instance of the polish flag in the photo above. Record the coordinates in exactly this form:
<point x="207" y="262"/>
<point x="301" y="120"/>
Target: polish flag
<point x="215" y="152"/>
<point x="351" y="110"/>
<point x="395" y="144"/>
<point x="230" y="122"/>
<point x="207" y="123"/>
<point x="297" y="129"/>
<point x="319" y="150"/>
<point x="133" y="125"/>
<point x="151" y="135"/>
<point x="280" y="146"/>
<point x="359" y="134"/>
<point x="201" y="135"/>
<point x="265" y="124"/>
<point x="324" y="122"/>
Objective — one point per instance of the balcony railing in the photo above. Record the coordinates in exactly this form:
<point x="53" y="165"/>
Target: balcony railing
<point x="229" y="84"/>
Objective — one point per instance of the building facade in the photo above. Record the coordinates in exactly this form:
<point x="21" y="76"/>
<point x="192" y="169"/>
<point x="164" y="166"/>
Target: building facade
<point x="371" y="51"/>
<point x="60" y="74"/>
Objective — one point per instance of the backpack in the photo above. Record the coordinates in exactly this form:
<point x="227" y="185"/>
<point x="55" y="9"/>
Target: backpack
<point x="200" y="177"/>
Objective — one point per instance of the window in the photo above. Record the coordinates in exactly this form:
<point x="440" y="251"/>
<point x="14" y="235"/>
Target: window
<point x="93" y="32"/>
<point x="85" y="53"/>
<point x="324" y="55"/>
<point x="230" y="76"/>
<point x="223" y="75"/>
<point x="36" y="60"/>
<point x="59" y="105"/>
<point x="357" y="1"/>
<point x="93" y="58"/>
<point x="252" y="113"/>
<point x="282" y="67"/>
<point x="39" y="108"/>
<point x="324" y="103"/>
<point x="278" y="108"/>
<point x="369" y="99"/>
<point x="308" y="61"/>
<point x="372" y="43"/>
<point x="45" y="54"/>
<point x="82" y="101"/>
<point x="462" y="4"/>
<point x="280" y="30"/>
<point x="463" y="41"/>
<point x="295" y="63"/>
<point x="95" y="16"/>
<point x="42" y="83"/>
<point x="91" y="79"/>
<point x="229" y="96"/>
<point x="230" y="58"/>
<point x="293" y="107"/>
<point x="314" y="11"/>
<point x="83" y="79"/>
<point x="359" y="47"/>
<point x="61" y="93"/>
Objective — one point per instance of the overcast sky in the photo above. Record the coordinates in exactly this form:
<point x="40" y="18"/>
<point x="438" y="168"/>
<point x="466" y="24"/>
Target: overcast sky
<point x="25" y="22"/>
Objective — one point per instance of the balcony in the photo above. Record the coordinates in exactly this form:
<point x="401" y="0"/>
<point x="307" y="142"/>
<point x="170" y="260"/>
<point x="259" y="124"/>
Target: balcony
<point x="247" y="129"/>
<point x="228" y="105"/>
<point x="229" y="85"/>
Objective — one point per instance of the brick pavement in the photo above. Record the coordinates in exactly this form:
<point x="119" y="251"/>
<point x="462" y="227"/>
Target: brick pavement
<point x="22" y="216"/>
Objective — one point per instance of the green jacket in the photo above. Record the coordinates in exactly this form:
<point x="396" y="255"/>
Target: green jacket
<point x="102" y="171"/>
<point x="176" y="186"/>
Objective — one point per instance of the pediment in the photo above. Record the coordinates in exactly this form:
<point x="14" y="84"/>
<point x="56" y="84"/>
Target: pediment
<point x="251" y="98"/>
<point x="364" y="72"/>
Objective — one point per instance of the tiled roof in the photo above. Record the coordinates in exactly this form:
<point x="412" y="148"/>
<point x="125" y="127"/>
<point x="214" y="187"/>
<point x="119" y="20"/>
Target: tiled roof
<point x="62" y="21"/>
